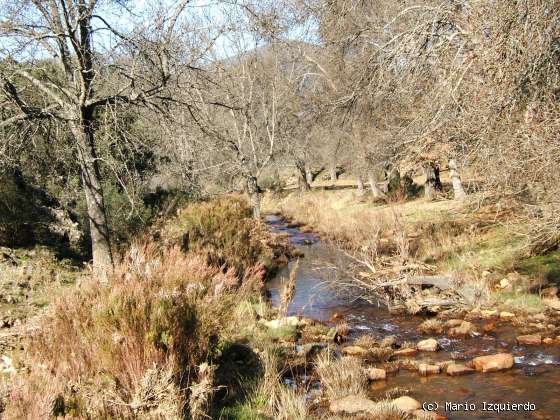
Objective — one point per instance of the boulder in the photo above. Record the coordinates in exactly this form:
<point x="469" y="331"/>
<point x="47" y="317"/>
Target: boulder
<point x="291" y="321"/>
<point x="505" y="284"/>
<point x="548" y="340"/>
<point x="457" y="370"/>
<point x="355" y="351"/>
<point x="493" y="362"/>
<point x="352" y="404"/>
<point x="531" y="339"/>
<point x="405" y="352"/>
<point x="550" y="292"/>
<point x="553" y="303"/>
<point x="406" y="403"/>
<point x="463" y="330"/>
<point x="425" y="369"/>
<point x="310" y="349"/>
<point x="375" y="374"/>
<point x="429" y="344"/>
<point x="506" y="315"/>
<point x="6" y="365"/>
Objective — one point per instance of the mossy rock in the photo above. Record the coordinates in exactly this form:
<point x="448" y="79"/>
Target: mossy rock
<point x="283" y="332"/>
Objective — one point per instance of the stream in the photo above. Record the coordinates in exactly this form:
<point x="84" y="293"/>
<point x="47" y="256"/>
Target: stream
<point x="535" y="377"/>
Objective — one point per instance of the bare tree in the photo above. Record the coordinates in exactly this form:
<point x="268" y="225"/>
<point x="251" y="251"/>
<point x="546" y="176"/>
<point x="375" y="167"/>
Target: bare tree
<point x="98" y="63"/>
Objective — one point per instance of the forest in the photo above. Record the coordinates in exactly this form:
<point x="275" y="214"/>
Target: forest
<point x="214" y="209"/>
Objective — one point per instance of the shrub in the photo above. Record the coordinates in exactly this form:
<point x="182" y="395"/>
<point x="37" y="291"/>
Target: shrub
<point x="131" y="349"/>
<point x="224" y="231"/>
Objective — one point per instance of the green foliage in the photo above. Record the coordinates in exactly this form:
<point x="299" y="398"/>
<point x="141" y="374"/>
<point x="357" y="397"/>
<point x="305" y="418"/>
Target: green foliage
<point x="24" y="220"/>
<point x="545" y="267"/>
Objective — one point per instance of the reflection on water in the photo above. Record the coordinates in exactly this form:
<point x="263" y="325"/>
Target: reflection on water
<point x="535" y="378"/>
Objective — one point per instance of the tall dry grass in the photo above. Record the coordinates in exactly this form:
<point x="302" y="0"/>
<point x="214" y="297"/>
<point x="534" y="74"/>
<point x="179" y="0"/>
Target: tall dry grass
<point x="340" y="377"/>
<point x="288" y="290"/>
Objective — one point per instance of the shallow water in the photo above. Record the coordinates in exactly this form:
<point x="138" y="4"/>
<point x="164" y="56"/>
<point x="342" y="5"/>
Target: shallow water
<point x="534" y="379"/>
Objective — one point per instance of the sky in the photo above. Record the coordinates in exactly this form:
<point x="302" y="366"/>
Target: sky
<point x="209" y="22"/>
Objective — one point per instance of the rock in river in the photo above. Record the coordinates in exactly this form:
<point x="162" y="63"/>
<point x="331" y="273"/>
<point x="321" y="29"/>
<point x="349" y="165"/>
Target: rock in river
<point x="457" y="370"/>
<point x="353" y="404"/>
<point x="375" y="374"/>
<point x="355" y="351"/>
<point x="462" y="330"/>
<point x="425" y="369"/>
<point x="532" y="339"/>
<point x="406" y="352"/>
<point x="493" y="363"/>
<point x="406" y="403"/>
<point x="430" y="344"/>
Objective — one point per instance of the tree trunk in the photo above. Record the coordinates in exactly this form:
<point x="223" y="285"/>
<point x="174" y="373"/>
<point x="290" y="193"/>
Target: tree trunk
<point x="308" y="176"/>
<point x="302" y="181"/>
<point x="376" y="191"/>
<point x="431" y="181"/>
<point x="458" y="189"/>
<point x="254" y="196"/>
<point x="361" y="189"/>
<point x="95" y="201"/>
<point x="393" y="180"/>
<point x="332" y="171"/>
<point x="302" y="178"/>
<point x="438" y="185"/>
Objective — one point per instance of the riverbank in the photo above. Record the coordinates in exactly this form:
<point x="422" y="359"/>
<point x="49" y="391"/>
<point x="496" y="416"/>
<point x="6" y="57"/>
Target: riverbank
<point x="482" y="247"/>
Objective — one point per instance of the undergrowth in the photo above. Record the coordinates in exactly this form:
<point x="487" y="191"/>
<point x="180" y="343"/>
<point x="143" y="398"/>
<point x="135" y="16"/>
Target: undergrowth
<point x="155" y="342"/>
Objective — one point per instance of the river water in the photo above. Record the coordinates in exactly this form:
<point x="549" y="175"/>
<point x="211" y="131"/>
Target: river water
<point x="535" y="378"/>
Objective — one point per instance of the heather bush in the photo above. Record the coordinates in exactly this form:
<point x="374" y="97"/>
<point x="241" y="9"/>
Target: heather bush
<point x="131" y="348"/>
<point x="224" y="231"/>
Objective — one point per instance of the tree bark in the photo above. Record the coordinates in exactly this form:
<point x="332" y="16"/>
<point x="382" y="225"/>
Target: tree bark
<point x="302" y="176"/>
<point x="393" y="179"/>
<point x="458" y="190"/>
<point x="302" y="181"/>
<point x="333" y="174"/>
<point x="254" y="196"/>
<point x="95" y="200"/>
<point x="308" y="176"/>
<point x="431" y="180"/>
<point x="361" y="188"/>
<point x="376" y="191"/>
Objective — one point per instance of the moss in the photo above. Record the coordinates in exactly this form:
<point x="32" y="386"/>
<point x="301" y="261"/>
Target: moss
<point x="545" y="267"/>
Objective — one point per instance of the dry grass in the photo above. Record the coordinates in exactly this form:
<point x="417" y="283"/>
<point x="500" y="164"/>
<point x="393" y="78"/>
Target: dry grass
<point x="224" y="231"/>
<point x="380" y="354"/>
<point x="367" y="341"/>
<point x="431" y="326"/>
<point x="341" y="377"/>
<point x="288" y="290"/>
<point x="291" y="405"/>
